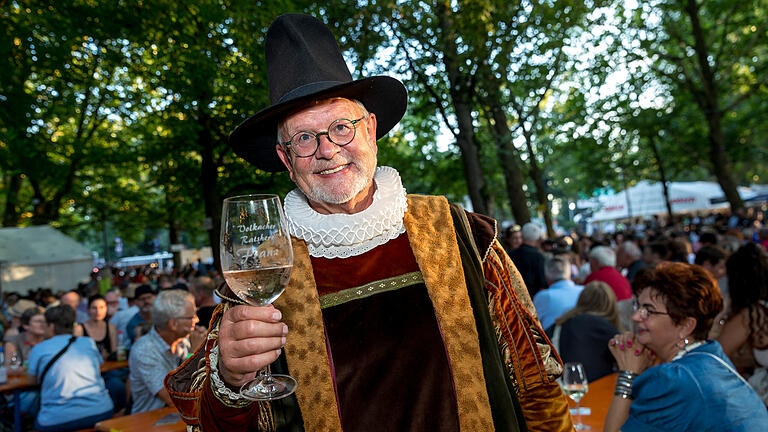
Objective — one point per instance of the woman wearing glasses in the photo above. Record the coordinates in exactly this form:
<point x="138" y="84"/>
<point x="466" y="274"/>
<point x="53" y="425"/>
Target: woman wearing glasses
<point x="694" y="387"/>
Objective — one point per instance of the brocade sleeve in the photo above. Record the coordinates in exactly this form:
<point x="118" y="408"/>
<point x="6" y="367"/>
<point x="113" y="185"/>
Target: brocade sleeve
<point x="192" y="390"/>
<point x="530" y="360"/>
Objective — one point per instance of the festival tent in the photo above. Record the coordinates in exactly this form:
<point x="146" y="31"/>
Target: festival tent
<point x="647" y="199"/>
<point x="41" y="256"/>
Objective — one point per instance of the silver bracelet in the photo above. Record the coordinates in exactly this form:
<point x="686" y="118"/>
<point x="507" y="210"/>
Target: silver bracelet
<point x="220" y="390"/>
<point x="624" y="382"/>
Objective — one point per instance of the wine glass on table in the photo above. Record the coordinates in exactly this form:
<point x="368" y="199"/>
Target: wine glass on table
<point x="15" y="362"/>
<point x="256" y="261"/>
<point x="575" y="386"/>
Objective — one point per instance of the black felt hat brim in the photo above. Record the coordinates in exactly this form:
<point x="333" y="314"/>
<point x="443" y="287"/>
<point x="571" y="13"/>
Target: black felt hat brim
<point x="254" y="140"/>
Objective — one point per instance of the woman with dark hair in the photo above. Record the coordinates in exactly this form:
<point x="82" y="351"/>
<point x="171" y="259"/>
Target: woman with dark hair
<point x="97" y="327"/>
<point x="19" y="345"/>
<point x="17" y="348"/>
<point x="581" y="334"/>
<point x="695" y="387"/>
<point x="104" y="334"/>
<point x="747" y="324"/>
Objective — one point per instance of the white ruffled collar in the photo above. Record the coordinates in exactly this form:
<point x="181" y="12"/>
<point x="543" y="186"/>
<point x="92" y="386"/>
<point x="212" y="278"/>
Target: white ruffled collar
<point x="345" y="235"/>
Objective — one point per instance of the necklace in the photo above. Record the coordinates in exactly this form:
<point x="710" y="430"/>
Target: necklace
<point x="686" y="349"/>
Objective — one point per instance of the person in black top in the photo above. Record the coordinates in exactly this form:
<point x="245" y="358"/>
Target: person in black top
<point x="529" y="261"/>
<point x="202" y="288"/>
<point x="97" y="327"/>
<point x="582" y="334"/>
<point x="104" y="334"/>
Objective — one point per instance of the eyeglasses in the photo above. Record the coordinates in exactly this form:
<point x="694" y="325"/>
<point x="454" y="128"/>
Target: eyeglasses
<point x="645" y="312"/>
<point x="187" y="317"/>
<point x="341" y="132"/>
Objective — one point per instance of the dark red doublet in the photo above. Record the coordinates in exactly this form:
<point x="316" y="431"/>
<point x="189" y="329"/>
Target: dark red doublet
<point x="389" y="361"/>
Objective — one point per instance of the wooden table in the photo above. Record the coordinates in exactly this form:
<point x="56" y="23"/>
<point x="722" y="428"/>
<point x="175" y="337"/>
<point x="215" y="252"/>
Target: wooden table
<point x="113" y="365"/>
<point x="142" y="422"/>
<point x="598" y="400"/>
<point x="17" y="383"/>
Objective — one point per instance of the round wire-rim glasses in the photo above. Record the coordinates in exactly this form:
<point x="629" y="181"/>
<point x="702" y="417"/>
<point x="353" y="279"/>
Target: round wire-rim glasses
<point x="645" y="312"/>
<point x="340" y="132"/>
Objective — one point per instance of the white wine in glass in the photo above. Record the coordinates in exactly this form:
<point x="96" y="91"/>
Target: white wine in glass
<point x="256" y="261"/>
<point x="575" y="385"/>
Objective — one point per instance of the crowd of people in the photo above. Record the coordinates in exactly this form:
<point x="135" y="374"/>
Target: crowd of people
<point x="603" y="300"/>
<point x="62" y="339"/>
<point x="594" y="295"/>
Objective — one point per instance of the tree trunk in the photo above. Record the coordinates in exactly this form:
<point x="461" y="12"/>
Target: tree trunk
<point x="173" y="233"/>
<point x="710" y="107"/>
<point x="660" y="163"/>
<point x="11" y="212"/>
<point x="47" y="210"/>
<point x="461" y="95"/>
<point x="719" y="159"/>
<point x="541" y="187"/>
<point x="209" y="178"/>
<point x="510" y="166"/>
<point x="470" y="158"/>
<point x="541" y="197"/>
<point x="39" y="212"/>
<point x="104" y="236"/>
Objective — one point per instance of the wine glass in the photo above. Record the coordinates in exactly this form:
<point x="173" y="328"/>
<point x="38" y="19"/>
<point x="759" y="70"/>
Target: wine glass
<point x="575" y="386"/>
<point x="256" y="261"/>
<point x="15" y="362"/>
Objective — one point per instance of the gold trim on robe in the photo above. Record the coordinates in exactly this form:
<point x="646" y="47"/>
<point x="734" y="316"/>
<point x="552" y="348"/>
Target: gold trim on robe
<point x="369" y="289"/>
<point x="432" y="237"/>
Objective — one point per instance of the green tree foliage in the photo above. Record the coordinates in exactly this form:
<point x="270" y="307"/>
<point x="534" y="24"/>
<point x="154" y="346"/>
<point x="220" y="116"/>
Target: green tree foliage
<point x="709" y="60"/>
<point x="63" y="94"/>
<point x="204" y="64"/>
<point x="121" y="112"/>
<point x="114" y="116"/>
<point x="487" y="70"/>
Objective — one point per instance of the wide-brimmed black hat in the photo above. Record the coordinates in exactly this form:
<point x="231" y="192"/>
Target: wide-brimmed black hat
<point x="304" y="64"/>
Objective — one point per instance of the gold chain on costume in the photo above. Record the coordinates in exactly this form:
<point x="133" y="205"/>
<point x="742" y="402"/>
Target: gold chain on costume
<point x="229" y="299"/>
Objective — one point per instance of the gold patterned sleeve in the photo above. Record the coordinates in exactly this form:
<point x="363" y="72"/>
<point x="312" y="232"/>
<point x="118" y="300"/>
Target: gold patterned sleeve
<point x="530" y="360"/>
<point x="204" y="401"/>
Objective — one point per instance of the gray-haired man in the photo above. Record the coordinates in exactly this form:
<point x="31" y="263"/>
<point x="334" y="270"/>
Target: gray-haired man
<point x="162" y="349"/>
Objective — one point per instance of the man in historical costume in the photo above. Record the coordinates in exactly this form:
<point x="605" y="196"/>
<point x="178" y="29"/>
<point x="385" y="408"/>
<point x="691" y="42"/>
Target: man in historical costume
<point x="403" y="312"/>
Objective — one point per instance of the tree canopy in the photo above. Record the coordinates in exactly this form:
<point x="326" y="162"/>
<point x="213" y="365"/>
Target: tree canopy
<point x="114" y="116"/>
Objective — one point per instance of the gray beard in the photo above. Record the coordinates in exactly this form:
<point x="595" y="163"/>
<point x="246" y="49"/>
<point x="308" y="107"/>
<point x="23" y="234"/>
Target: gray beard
<point x="322" y="195"/>
<point x="358" y="184"/>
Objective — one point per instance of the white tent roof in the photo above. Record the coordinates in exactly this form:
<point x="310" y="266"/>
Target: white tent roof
<point x="646" y="199"/>
<point x="38" y="245"/>
<point x="41" y="256"/>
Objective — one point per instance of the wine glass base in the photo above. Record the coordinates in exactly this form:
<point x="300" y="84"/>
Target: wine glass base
<point x="268" y="388"/>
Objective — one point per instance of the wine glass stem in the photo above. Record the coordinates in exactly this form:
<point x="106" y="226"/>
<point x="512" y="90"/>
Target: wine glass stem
<point x="578" y="414"/>
<point x="268" y="383"/>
